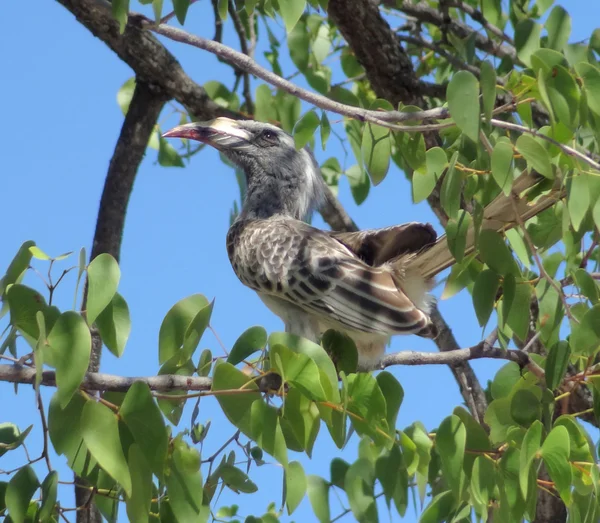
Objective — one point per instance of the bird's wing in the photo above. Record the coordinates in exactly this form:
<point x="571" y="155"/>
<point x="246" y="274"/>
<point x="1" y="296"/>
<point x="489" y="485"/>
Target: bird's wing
<point x="317" y="273"/>
<point x="499" y="216"/>
<point x="378" y="246"/>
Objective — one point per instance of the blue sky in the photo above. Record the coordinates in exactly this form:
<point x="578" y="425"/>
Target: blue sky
<point x="60" y="125"/>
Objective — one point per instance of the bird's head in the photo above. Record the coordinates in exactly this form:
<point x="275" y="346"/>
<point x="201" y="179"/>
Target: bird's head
<point x="280" y="177"/>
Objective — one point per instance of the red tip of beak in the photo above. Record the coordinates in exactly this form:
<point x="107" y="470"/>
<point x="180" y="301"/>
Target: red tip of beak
<point x="182" y="132"/>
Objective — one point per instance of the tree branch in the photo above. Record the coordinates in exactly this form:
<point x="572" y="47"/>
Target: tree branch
<point x="246" y="63"/>
<point x="96" y="381"/>
<point x="149" y="59"/>
<point x="478" y="17"/>
<point x="422" y="12"/>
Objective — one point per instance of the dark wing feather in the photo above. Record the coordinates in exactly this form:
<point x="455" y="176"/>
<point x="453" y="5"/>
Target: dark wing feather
<point x="310" y="268"/>
<point x="378" y="246"/>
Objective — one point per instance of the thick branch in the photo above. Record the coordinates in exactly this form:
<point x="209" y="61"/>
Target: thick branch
<point x="95" y="381"/>
<point x="424" y="13"/>
<point x="149" y="59"/>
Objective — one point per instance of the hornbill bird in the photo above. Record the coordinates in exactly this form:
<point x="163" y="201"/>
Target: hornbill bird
<point x="370" y="284"/>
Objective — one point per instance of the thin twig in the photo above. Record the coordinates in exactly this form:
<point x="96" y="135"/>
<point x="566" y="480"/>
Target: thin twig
<point x="565" y="148"/>
<point x="248" y="64"/>
<point x="538" y="261"/>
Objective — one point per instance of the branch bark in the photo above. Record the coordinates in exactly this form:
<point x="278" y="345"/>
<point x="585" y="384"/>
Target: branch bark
<point x="95" y="381"/>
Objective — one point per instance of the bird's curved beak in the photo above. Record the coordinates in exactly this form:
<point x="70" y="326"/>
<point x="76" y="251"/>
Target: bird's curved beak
<point x="221" y="133"/>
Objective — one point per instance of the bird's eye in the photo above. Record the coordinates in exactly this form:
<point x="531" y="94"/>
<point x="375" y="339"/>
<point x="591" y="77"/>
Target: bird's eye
<point x="269" y="136"/>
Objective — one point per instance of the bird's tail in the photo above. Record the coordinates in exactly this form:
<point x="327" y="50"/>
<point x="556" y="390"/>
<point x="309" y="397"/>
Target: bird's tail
<point x="499" y="215"/>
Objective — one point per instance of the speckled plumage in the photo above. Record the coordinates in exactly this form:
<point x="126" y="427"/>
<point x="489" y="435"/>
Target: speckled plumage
<point x="315" y="280"/>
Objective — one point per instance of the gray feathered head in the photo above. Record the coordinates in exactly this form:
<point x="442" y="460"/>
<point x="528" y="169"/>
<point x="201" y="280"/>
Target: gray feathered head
<point x="281" y="179"/>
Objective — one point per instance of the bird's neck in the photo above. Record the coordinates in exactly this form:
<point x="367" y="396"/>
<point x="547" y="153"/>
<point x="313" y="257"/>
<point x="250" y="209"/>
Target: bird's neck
<point x="269" y="196"/>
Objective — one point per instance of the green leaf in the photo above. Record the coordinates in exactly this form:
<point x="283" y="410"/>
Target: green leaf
<point x="168" y="155"/>
<point x="174" y="327"/>
<point x="328" y="374"/>
<point x="236" y="408"/>
<point x="17" y="267"/>
<point x="325" y="129"/>
<point x="305" y="128"/>
<point x="555" y="453"/>
<point x="585" y="337"/>
<point x="484" y="295"/>
<point x="530" y="448"/>
<point x="236" y="480"/>
<point x="525" y="407"/>
<point x="49" y="494"/>
<point x="488" y="88"/>
<point x="424" y="181"/>
<point x="103" y="279"/>
<point x="590" y="76"/>
<point x="195" y="330"/>
<point x="69" y="348"/>
<point x="536" y="156"/>
<point x="498" y="418"/>
<point x="564" y="96"/>
<point x="450" y="441"/>
<point x="456" y="233"/>
<point x="502" y="159"/>
<point x="222" y="8"/>
<point x="587" y="285"/>
<point x="114" y="325"/>
<point x="184" y="483"/>
<point x="376" y="147"/>
<point x="291" y="11"/>
<point x="394" y="395"/>
<point x="266" y="431"/>
<point x="495" y="253"/>
<point x="338" y="470"/>
<point x="318" y="495"/>
<point x="298" y="45"/>
<point x="439" y="508"/>
<point x="120" y="9"/>
<point x="483" y="482"/>
<point x="578" y="198"/>
<point x="37" y="253"/>
<point x="303" y="418"/>
<point x="24" y="304"/>
<point x="181" y="7"/>
<point x="11" y="437"/>
<point x="527" y="39"/>
<point x="391" y="472"/>
<point x="342" y="350"/>
<point x="125" y="94"/>
<point x="251" y="340"/>
<point x="19" y="492"/>
<point x="463" y="102"/>
<point x="205" y="363"/>
<point x="100" y="431"/>
<point x="139" y="503"/>
<point x="516" y="301"/>
<point x="558" y="26"/>
<point x="366" y="400"/>
<point x="451" y="189"/>
<point x="359" y="183"/>
<point x="557" y="363"/>
<point x="298" y="370"/>
<point x="295" y="485"/>
<point x="145" y="422"/>
<point x="358" y="485"/>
